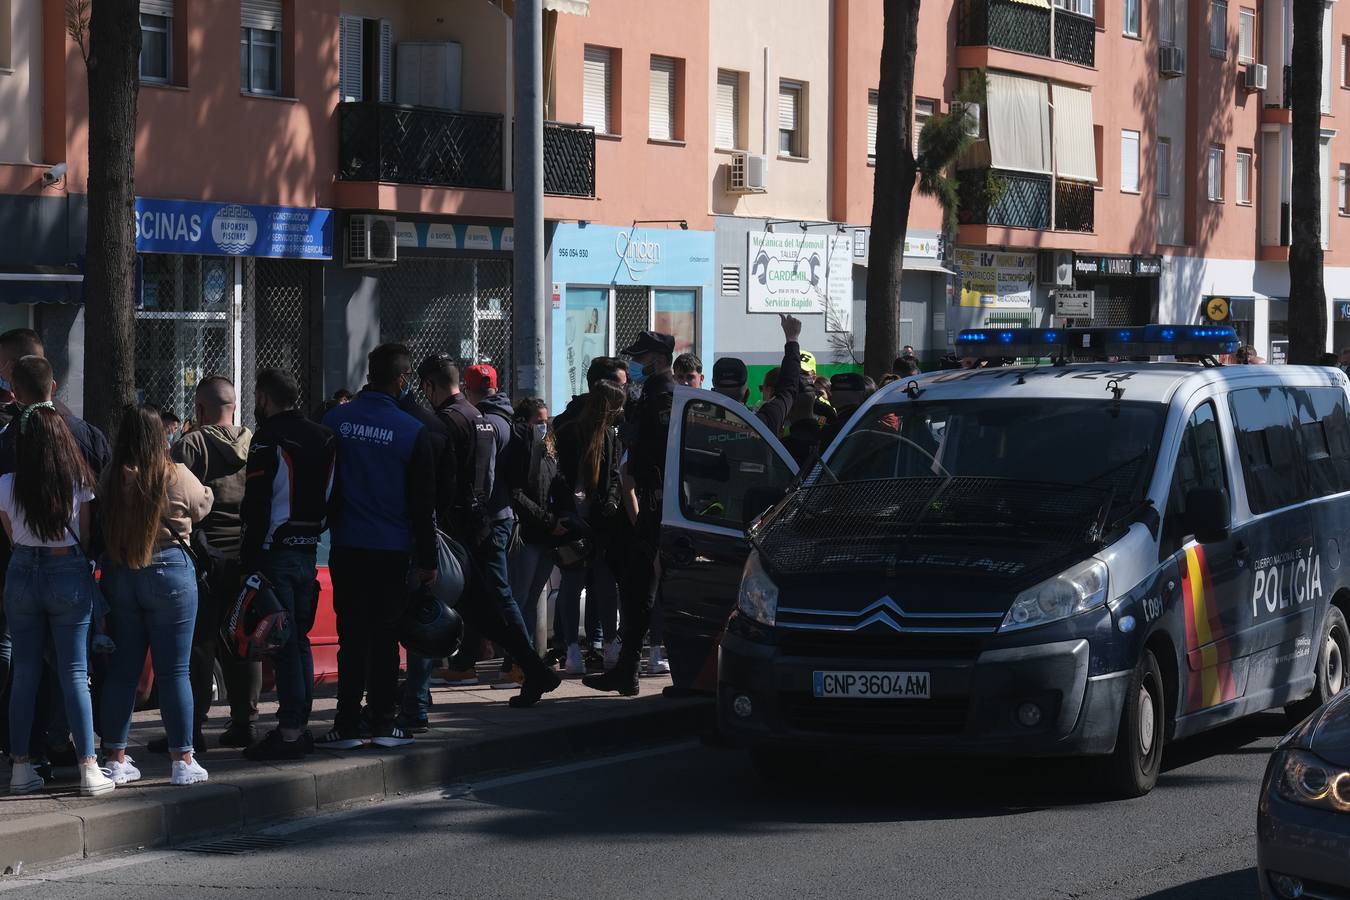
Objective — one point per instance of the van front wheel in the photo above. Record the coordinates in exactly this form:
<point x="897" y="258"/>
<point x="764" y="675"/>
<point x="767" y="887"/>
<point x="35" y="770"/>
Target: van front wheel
<point x="1132" y="770"/>
<point x="1333" y="655"/>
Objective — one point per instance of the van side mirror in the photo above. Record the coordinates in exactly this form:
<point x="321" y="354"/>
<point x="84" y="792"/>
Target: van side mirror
<point x="1208" y="516"/>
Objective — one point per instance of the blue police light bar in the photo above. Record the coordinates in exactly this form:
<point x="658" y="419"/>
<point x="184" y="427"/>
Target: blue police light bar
<point x="1097" y="343"/>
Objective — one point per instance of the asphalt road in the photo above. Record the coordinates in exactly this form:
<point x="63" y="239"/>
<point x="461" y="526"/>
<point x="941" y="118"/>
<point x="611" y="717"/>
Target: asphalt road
<point x="689" y="821"/>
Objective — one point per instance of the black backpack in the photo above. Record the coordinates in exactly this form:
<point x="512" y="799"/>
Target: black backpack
<point x="519" y="463"/>
<point x="471" y="505"/>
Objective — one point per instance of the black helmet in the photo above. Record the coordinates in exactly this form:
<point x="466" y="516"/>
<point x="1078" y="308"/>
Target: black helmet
<point x="258" y="625"/>
<point x="429" y="627"/>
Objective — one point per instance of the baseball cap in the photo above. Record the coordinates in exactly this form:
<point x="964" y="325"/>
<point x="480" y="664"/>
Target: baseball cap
<point x="480" y="378"/>
<point x="729" y="372"/>
<point x="808" y="362"/>
<point x="650" y="342"/>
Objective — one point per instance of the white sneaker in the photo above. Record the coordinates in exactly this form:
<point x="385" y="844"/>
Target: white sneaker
<point x="656" y="662"/>
<point x="24" y="779"/>
<point x="187" y="772"/>
<point x="574" y="665"/>
<point x="95" y="781"/>
<point x="612" y="650"/>
<point x="124" y="772"/>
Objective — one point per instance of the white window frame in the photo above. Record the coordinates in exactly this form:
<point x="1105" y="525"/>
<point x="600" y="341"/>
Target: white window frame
<point x="797" y="139"/>
<point x="663" y="73"/>
<point x="250" y="38"/>
<point x="1081" y="7"/>
<point x="873" y="100"/>
<point x="1167" y="22"/>
<point x="1243" y="165"/>
<point x="924" y="109"/>
<point x="167" y="31"/>
<point x="729" y="79"/>
<point x="1129" y="137"/>
<point x="1345" y="61"/>
<point x="1343" y="189"/>
<point x="1246" y="34"/>
<point x="1164" y="157"/>
<point x="1213" y="175"/>
<point x="1218" y="27"/>
<point x="1132" y="14"/>
<point x="598" y="59"/>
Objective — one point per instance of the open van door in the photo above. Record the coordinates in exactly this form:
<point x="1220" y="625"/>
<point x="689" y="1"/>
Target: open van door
<point x="723" y="469"/>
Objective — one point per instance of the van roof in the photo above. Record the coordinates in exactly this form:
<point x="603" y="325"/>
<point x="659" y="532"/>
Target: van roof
<point x="1150" y="382"/>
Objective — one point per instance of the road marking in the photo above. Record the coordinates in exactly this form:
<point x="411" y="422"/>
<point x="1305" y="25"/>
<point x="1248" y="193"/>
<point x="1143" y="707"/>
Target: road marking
<point x="82" y="870"/>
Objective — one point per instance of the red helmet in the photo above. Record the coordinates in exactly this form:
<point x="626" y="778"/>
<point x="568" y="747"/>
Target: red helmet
<point x="258" y="625"/>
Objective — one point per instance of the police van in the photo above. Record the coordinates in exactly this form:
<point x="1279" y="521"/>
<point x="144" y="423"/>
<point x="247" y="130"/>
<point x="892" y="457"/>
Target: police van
<point x="1087" y="556"/>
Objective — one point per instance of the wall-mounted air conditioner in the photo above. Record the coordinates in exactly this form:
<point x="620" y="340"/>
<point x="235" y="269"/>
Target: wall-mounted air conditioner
<point x="748" y="173"/>
<point x="1254" y="77"/>
<point x="371" y="240"/>
<point x="1171" y="62"/>
<point x="1055" y="268"/>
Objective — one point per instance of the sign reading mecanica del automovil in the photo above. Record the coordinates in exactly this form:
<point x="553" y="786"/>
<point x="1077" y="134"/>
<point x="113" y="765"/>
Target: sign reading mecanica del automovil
<point x="802" y="274"/>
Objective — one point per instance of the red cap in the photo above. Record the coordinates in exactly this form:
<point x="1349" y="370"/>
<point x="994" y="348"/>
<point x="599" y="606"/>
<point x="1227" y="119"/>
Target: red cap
<point x="480" y="378"/>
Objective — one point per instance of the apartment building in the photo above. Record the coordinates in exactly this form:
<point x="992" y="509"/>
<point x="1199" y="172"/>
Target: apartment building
<point x="707" y="165"/>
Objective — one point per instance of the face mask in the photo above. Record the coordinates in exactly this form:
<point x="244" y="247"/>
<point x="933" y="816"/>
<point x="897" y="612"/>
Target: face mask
<point x="541" y="430"/>
<point x="405" y="392"/>
<point x="637" y="372"/>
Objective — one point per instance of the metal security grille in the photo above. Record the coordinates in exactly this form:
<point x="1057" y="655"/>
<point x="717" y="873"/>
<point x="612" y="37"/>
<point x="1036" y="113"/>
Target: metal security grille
<point x="275" y="331"/>
<point x="1119" y="306"/>
<point x="632" y="314"/>
<point x="183" y="328"/>
<point x="458" y="306"/>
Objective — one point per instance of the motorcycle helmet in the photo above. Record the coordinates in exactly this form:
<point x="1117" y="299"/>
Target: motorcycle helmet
<point x="429" y="627"/>
<point x="258" y="625"/>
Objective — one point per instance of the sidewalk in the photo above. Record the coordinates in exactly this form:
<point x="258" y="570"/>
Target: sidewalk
<point x="473" y="731"/>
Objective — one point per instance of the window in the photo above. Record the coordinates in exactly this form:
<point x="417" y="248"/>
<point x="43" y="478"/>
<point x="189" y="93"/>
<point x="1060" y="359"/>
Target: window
<point x="1164" y="167"/>
<point x="260" y="46"/>
<point x="1167" y="22"/>
<point x="1199" y="465"/>
<point x="1294" y="444"/>
<point x="6" y="26"/>
<point x="677" y="315"/>
<point x="1343" y="190"/>
<point x="728" y="473"/>
<point x="157" y="41"/>
<point x="587" y="322"/>
<point x="923" y="111"/>
<point x="1345" y="62"/>
<point x="362" y="74"/>
<point x="1129" y="161"/>
<point x="1246" y="35"/>
<point x="872" y="126"/>
<point x="661" y="101"/>
<point x="727" y="116"/>
<point x="1214" y="174"/>
<point x="1218" y="27"/>
<point x="1324" y="439"/>
<point x="597" y="90"/>
<point x="1132" y="18"/>
<point x="1244" y="177"/>
<point x="1082" y="7"/>
<point x="790" y="97"/>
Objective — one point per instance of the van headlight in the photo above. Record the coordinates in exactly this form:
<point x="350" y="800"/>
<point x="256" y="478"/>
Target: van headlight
<point x="1070" y="592"/>
<point x="758" y="597"/>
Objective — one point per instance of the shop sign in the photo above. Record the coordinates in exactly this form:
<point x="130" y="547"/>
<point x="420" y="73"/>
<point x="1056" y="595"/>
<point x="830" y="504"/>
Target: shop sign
<point x="991" y="280"/>
<point x="478" y="237"/>
<point x="406" y="234"/>
<point x="928" y="248"/>
<point x="1148" y="266"/>
<point x="1279" y="353"/>
<point x="1343" y="310"/>
<point x="233" y="229"/>
<point x="801" y="273"/>
<point x="638" y="252"/>
<point x="441" y="236"/>
<point x="1074" y="304"/>
<point x="1217" y="309"/>
<point x="1093" y="265"/>
<point x="860" y="243"/>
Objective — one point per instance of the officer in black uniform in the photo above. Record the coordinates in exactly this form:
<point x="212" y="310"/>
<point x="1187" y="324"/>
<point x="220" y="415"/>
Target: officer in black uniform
<point x="649" y="423"/>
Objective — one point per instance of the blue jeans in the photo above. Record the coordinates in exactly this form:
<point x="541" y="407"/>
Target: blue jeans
<point x="416" y="699"/>
<point x="50" y="595"/>
<point x="602" y="602"/>
<point x="291" y="572"/>
<point x="154" y="608"/>
<point x="530" y="567"/>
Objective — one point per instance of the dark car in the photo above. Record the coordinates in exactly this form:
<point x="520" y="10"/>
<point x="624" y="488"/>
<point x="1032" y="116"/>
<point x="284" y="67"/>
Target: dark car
<point x="1303" y="821"/>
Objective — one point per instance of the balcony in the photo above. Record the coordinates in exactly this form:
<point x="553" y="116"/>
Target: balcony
<point x="1043" y="31"/>
<point x="1022" y="200"/>
<point x="419" y="145"/>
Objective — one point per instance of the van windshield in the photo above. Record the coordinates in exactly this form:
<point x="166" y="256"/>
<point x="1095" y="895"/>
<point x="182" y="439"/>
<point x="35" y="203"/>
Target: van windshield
<point x="1109" y="446"/>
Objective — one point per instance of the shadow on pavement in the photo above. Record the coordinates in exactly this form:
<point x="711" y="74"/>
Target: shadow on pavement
<point x="1229" y="886"/>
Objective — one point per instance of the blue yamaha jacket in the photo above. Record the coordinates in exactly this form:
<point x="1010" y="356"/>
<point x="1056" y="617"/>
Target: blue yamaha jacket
<point x="385" y="488"/>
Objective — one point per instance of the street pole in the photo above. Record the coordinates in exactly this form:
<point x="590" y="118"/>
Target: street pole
<point x="527" y="264"/>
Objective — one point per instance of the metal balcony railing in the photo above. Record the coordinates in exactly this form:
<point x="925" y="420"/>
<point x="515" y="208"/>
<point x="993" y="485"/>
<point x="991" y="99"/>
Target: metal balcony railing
<point x="1024" y="28"/>
<point x="1012" y="199"/>
<point x="1075" y="203"/>
<point x="419" y="145"/>
<point x="569" y="159"/>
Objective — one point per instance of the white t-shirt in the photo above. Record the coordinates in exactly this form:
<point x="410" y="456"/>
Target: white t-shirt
<point x="19" y="524"/>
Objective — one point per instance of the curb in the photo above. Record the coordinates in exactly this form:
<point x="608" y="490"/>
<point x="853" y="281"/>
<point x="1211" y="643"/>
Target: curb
<point x="318" y="785"/>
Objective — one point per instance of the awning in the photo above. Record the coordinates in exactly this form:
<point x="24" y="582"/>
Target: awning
<point x="1075" y="144"/>
<point x="915" y="264"/>
<point x="1019" y="124"/>
<point x="573" y="7"/>
<point x="41" y="284"/>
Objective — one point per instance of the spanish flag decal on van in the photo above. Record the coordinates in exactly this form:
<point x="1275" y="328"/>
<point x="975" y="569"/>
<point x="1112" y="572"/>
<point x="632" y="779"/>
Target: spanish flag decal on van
<point x="1210" y="680"/>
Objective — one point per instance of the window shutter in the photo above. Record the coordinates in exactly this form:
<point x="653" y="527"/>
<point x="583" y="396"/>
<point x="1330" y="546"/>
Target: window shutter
<point x="1164" y="167"/>
<point x="728" y="109"/>
<point x="157" y="8"/>
<point x="596" y="89"/>
<point x="261" y="14"/>
<point x="872" y="125"/>
<point x="1129" y="161"/>
<point x="788" y="99"/>
<point x="349" y="58"/>
<point x="386" y="61"/>
<point x="661" y="100"/>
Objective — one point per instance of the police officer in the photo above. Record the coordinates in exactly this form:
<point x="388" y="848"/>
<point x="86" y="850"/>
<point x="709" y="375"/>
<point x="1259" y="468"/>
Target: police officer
<point x="649" y="420"/>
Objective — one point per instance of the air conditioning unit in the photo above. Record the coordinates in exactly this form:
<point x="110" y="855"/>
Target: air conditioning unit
<point x="371" y="240"/>
<point x="1055" y="268"/>
<point x="970" y="115"/>
<point x="748" y="173"/>
<point x="1254" y="77"/>
<point x="1171" y="62"/>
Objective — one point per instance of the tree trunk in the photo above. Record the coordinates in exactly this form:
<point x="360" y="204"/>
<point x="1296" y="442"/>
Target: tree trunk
<point x="1307" y="294"/>
<point x="109" y="281"/>
<point x="893" y="185"/>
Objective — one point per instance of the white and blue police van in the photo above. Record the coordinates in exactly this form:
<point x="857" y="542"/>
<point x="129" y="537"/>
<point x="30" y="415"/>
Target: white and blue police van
<point x="1088" y="556"/>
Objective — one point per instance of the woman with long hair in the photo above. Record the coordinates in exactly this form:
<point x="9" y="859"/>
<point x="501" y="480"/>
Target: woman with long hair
<point x="148" y="505"/>
<point x="589" y="507"/>
<point x="49" y="588"/>
<point x="530" y="567"/>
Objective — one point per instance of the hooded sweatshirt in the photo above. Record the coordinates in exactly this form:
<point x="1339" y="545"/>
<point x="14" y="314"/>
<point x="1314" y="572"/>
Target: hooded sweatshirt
<point x="217" y="455"/>
<point x="496" y="408"/>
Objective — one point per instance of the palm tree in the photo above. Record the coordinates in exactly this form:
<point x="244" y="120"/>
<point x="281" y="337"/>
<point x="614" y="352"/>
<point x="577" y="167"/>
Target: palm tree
<point x="1307" y="294"/>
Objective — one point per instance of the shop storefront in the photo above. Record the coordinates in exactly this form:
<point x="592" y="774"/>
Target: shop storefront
<point x="610" y="284"/>
<point x="995" y="289"/>
<point x="1124" y="288"/>
<point x="226" y="289"/>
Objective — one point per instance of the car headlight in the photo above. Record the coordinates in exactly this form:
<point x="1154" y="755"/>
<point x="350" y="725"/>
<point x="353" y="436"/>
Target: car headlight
<point x="1070" y="592"/>
<point x="758" y="597"/>
<point x="1309" y="780"/>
